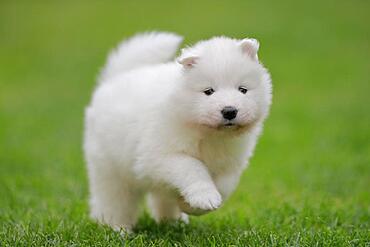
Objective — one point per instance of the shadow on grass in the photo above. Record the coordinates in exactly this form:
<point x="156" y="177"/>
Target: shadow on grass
<point x="197" y="231"/>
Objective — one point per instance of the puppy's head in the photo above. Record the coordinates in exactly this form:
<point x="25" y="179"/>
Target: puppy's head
<point x="224" y="86"/>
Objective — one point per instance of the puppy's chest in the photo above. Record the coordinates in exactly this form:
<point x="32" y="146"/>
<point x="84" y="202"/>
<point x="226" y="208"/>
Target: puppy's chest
<point x="221" y="156"/>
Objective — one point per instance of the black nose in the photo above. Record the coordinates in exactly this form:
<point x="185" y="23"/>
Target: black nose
<point x="229" y="112"/>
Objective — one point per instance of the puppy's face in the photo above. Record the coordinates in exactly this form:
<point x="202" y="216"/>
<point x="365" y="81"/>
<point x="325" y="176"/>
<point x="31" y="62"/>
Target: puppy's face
<point x="225" y="87"/>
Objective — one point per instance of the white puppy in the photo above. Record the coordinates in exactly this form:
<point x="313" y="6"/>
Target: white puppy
<point x="180" y="131"/>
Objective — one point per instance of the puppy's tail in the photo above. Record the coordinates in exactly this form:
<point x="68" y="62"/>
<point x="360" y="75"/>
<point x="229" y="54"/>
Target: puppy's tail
<point x="141" y="50"/>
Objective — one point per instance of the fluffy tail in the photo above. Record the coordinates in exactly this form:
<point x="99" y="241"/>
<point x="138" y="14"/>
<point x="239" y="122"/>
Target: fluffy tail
<point x="140" y="50"/>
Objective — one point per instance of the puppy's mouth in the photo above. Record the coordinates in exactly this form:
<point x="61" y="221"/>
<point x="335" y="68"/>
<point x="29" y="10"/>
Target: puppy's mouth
<point x="229" y="125"/>
<point x="226" y="126"/>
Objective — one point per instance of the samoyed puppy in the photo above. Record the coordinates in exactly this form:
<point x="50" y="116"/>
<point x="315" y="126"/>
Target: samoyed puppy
<point x="178" y="131"/>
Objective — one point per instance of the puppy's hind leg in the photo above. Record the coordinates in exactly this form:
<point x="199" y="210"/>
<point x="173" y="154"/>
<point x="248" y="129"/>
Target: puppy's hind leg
<point x="163" y="206"/>
<point x="114" y="200"/>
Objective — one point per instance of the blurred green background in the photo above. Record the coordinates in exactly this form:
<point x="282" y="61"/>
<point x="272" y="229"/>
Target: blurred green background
<point x="308" y="183"/>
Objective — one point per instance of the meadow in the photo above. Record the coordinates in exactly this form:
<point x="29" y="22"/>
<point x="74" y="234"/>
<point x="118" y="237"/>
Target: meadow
<point x="308" y="182"/>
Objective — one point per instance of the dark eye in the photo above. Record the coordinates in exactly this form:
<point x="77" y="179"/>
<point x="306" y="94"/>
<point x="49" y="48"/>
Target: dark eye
<point x="208" y="91"/>
<point x="243" y="90"/>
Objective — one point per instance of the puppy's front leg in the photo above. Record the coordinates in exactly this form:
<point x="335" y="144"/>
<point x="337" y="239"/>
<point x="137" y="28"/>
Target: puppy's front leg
<point x="190" y="177"/>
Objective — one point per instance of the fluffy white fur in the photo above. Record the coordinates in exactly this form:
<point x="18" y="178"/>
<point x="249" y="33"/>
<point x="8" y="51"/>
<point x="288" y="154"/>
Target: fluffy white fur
<point x="150" y="128"/>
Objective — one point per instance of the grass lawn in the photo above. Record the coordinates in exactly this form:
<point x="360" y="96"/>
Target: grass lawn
<point x="309" y="181"/>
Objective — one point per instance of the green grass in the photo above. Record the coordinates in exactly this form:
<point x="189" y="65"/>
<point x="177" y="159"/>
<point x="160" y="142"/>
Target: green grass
<point x="308" y="183"/>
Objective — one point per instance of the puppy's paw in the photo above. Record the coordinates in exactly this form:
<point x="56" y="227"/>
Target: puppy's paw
<point x="201" y="198"/>
<point x="184" y="218"/>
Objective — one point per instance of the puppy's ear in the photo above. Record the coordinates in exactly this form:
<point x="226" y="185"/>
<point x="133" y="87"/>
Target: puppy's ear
<point x="250" y="47"/>
<point x="188" y="62"/>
